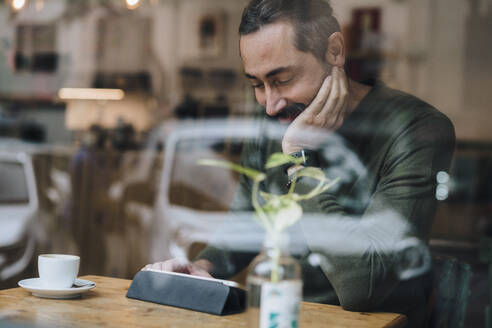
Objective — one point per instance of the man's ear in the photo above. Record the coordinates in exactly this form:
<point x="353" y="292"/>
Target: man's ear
<point x="335" y="53"/>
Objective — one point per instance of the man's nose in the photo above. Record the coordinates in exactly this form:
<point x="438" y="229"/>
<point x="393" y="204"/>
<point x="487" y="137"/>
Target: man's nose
<point x="274" y="102"/>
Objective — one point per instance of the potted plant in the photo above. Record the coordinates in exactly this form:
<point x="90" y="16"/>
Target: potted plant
<point x="274" y="279"/>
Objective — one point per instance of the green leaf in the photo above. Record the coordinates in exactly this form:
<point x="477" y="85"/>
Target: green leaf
<point x="272" y="206"/>
<point x="283" y="212"/>
<point x="312" y="172"/>
<point x="251" y="173"/>
<point x="279" y="159"/>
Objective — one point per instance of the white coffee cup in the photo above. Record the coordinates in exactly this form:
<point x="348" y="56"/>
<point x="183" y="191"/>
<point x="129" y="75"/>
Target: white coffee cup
<point x="58" y="271"/>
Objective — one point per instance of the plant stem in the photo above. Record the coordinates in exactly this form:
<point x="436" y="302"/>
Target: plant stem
<point x="292" y="185"/>
<point x="261" y="214"/>
<point x="318" y="190"/>
<point x="276" y="259"/>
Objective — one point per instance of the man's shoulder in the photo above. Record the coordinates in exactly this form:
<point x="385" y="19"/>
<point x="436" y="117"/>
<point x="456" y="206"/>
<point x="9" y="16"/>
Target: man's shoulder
<point x="408" y="109"/>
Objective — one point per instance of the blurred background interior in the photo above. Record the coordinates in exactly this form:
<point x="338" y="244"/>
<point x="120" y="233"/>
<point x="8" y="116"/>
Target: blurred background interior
<point x="86" y="87"/>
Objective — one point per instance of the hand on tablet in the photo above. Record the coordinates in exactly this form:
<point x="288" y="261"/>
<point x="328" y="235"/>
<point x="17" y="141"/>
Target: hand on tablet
<point x="199" y="268"/>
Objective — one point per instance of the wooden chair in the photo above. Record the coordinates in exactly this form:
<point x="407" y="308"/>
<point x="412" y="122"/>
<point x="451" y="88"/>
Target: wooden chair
<point x="449" y="298"/>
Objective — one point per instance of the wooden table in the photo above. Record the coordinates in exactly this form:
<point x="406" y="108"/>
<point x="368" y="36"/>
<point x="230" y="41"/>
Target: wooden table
<point x="107" y="306"/>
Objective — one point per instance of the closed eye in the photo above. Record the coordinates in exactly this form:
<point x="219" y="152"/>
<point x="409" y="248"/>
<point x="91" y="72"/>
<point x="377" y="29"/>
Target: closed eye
<point x="283" y="82"/>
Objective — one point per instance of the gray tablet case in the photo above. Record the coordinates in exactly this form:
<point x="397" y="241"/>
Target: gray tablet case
<point x="184" y="292"/>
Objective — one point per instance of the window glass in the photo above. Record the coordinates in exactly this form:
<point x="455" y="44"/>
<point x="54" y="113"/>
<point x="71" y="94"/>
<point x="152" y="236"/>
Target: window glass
<point x="13" y="185"/>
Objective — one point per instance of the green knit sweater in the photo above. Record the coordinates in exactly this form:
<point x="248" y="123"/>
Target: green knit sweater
<point x="387" y="154"/>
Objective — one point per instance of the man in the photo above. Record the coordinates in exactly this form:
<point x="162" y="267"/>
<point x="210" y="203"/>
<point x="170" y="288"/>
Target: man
<point x="294" y="56"/>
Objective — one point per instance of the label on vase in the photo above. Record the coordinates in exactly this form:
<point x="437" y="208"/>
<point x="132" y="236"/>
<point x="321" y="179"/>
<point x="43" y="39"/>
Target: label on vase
<point x="280" y="304"/>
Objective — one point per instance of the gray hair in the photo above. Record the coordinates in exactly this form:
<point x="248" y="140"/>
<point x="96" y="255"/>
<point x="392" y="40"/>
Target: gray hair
<point x="313" y="21"/>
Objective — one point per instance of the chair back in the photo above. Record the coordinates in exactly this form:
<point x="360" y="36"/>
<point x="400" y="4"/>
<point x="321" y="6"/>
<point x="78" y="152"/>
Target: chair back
<point x="449" y="299"/>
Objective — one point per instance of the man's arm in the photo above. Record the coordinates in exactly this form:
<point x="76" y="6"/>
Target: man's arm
<point x="405" y="193"/>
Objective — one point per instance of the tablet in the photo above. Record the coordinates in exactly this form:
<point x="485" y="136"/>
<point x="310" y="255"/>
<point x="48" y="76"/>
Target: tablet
<point x="224" y="282"/>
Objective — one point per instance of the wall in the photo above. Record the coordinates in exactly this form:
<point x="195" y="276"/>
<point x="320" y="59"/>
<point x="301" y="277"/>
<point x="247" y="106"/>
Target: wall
<point x="478" y="69"/>
<point x="446" y="60"/>
<point x="178" y="44"/>
<point x="442" y="51"/>
<point x="23" y="84"/>
<point x="455" y="68"/>
<point x="395" y="23"/>
<point x="173" y="44"/>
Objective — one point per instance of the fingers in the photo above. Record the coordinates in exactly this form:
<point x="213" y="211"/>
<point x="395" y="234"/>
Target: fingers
<point x="328" y="115"/>
<point x="169" y="266"/>
<point x="334" y="100"/>
<point x="319" y="101"/>
<point x="180" y="266"/>
<point x="172" y="265"/>
<point x="333" y="113"/>
<point x="197" y="271"/>
<point x="344" y="98"/>
<point x="154" y="266"/>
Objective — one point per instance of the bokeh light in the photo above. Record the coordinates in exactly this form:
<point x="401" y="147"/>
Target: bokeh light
<point x="18" y="4"/>
<point x="132" y="4"/>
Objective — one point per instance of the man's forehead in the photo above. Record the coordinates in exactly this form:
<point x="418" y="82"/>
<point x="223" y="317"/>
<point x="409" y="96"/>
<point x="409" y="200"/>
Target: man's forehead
<point x="268" y="49"/>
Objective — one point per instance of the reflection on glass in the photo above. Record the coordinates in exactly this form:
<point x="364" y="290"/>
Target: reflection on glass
<point x="349" y="237"/>
<point x="132" y="4"/>
<point x="442" y="177"/>
<point x="13" y="186"/>
<point x="18" y="4"/>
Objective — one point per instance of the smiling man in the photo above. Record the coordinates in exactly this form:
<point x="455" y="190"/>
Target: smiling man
<point x="294" y="56"/>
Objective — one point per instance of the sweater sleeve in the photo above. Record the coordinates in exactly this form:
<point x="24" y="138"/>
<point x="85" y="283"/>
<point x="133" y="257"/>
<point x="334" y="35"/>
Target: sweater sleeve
<point x="362" y="265"/>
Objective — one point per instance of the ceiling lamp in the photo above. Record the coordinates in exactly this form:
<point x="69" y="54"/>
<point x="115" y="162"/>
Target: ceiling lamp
<point x="132" y="4"/>
<point x="18" y="4"/>
<point x="90" y="94"/>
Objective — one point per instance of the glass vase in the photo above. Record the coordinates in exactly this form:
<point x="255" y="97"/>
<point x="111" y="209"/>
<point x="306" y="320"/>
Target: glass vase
<point x="274" y="286"/>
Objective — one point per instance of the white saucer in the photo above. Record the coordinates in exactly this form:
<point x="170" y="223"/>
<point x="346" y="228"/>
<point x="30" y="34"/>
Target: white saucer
<point x="35" y="286"/>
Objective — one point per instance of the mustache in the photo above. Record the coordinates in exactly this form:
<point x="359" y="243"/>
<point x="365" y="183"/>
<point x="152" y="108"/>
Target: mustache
<point x="289" y="111"/>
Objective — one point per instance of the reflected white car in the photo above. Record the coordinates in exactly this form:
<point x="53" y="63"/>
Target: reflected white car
<point x="177" y="227"/>
<point x="18" y="208"/>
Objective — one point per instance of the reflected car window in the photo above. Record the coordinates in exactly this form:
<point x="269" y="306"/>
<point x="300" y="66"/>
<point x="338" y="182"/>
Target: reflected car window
<point x="13" y="187"/>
